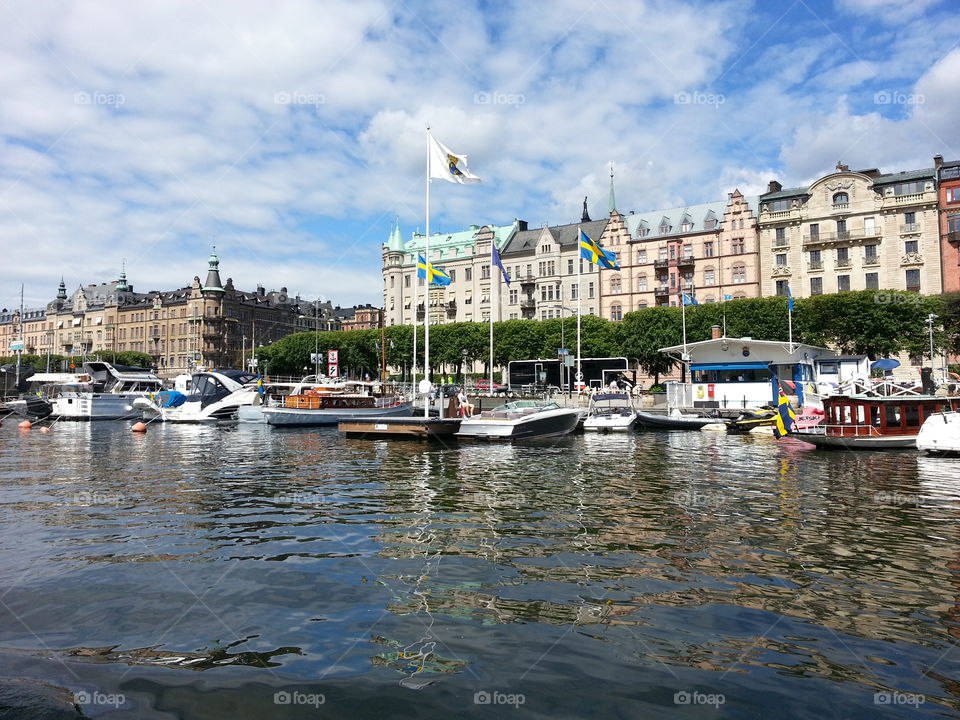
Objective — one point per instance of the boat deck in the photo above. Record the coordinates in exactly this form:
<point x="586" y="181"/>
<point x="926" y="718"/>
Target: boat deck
<point x="400" y="427"/>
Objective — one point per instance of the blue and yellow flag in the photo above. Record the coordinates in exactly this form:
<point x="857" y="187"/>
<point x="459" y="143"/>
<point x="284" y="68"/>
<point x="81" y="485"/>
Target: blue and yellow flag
<point x="260" y="391"/>
<point x="436" y="275"/>
<point x="589" y="250"/>
<point x="785" y="415"/>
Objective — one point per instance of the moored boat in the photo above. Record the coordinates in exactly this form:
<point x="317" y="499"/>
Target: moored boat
<point x="215" y="395"/>
<point x="109" y="394"/>
<point x="521" y="420"/>
<point x="675" y="420"/>
<point x="331" y="409"/>
<point x="610" y="412"/>
<point x="940" y="434"/>
<point x="760" y="420"/>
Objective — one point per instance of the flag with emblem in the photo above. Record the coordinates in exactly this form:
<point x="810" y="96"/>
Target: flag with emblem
<point x="448" y="165"/>
<point x="589" y="250"/>
<point x="785" y="414"/>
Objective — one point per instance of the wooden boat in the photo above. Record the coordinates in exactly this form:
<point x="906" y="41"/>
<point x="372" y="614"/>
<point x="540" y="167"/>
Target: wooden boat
<point x="874" y="422"/>
<point x="417" y="428"/>
<point x="332" y="408"/>
<point x="675" y="421"/>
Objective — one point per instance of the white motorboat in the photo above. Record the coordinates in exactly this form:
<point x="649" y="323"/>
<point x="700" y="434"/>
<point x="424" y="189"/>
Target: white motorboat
<point x="610" y="412"/>
<point x="41" y="387"/>
<point x="940" y="434"/>
<point x="109" y="394"/>
<point x="521" y="420"/>
<point x="214" y="395"/>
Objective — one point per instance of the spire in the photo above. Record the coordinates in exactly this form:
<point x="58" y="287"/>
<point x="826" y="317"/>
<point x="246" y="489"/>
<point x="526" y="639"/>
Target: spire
<point x="613" y="198"/>
<point x="585" y="218"/>
<point x="395" y="243"/>
<point x="62" y="290"/>
<point x="213" y="273"/>
<point x="122" y="282"/>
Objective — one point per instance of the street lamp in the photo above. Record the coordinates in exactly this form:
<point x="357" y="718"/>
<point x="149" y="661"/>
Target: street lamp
<point x="463" y="369"/>
<point x="930" y="318"/>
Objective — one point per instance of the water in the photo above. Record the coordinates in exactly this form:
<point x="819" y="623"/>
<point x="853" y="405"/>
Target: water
<point x="233" y="572"/>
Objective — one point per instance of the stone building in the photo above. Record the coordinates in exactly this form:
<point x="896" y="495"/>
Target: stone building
<point x="358" y="317"/>
<point x="851" y="230"/>
<point x="948" y="181"/>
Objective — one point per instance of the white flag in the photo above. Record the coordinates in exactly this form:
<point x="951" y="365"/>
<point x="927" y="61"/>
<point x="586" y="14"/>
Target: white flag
<point x="447" y="165"/>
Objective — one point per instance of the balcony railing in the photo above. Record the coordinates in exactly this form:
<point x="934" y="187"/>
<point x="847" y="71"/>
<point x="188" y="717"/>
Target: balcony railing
<point x="841" y="236"/>
<point x="841" y="206"/>
<point x="871" y="260"/>
<point x="953" y="237"/>
<point x="843" y="262"/>
<point x="661" y="263"/>
<point x="780" y="243"/>
<point x="909" y="228"/>
<point x="906" y="199"/>
<point x="662" y="290"/>
<point x="528" y="304"/>
<point x="686" y="260"/>
<point x="815" y="265"/>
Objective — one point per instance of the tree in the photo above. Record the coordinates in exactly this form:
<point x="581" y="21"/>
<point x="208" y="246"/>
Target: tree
<point x="644" y="332"/>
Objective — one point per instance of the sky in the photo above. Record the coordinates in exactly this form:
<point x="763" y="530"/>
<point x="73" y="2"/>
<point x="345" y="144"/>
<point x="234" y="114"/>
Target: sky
<point x="291" y="135"/>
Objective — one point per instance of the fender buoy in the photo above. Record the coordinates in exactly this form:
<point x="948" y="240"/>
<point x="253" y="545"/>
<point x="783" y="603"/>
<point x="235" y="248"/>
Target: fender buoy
<point x="25" y="425"/>
<point x="139" y="427"/>
<point x="44" y="429"/>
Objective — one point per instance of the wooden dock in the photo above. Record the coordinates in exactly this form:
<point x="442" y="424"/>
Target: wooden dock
<point x="416" y="428"/>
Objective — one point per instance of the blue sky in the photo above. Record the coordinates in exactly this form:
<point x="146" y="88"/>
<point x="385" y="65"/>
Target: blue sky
<point x="290" y="135"/>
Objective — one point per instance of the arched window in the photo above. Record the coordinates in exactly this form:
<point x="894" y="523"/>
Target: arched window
<point x="616" y="312"/>
<point x="841" y="198"/>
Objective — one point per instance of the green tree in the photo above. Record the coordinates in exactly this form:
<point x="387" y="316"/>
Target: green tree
<point x="644" y="332"/>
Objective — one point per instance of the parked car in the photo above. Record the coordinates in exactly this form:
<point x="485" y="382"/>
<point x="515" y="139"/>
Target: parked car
<point x="484" y="386"/>
<point x="447" y="390"/>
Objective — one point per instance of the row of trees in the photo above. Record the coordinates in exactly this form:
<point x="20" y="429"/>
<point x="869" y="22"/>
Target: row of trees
<point x="877" y="323"/>
<point x="62" y="363"/>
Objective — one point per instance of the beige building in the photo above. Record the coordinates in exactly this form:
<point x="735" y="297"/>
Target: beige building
<point x="709" y="250"/>
<point x="851" y="231"/>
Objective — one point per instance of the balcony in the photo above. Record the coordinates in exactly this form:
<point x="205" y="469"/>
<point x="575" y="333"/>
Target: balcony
<point x="910" y="229"/>
<point x="451" y="308"/>
<point x="686" y="260"/>
<point x="911" y="199"/>
<point x="871" y="260"/>
<point x="815" y="265"/>
<point x="953" y="238"/>
<point x="528" y="304"/>
<point x="841" y="207"/>
<point x="780" y="243"/>
<point x="662" y="291"/>
<point x="843" y="262"/>
<point x="837" y="237"/>
<point x="661" y="263"/>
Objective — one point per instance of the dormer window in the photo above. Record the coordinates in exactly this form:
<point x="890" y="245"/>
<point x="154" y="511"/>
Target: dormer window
<point x="841" y="198"/>
<point x="664" y="228"/>
<point x="686" y="227"/>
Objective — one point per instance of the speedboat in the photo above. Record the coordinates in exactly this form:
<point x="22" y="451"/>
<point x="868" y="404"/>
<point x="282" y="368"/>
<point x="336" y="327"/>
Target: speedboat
<point x="213" y="395"/>
<point x="610" y="412"/>
<point x="36" y="403"/>
<point x="675" y="420"/>
<point x="940" y="434"/>
<point x="109" y="394"/>
<point x="521" y="420"/>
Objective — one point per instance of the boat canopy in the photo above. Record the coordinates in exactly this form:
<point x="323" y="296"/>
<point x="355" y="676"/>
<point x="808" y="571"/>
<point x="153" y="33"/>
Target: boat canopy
<point x="601" y="397"/>
<point x="730" y="366"/>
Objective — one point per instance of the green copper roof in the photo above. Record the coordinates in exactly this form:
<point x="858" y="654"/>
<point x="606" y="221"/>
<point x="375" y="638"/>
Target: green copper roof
<point x="395" y="243"/>
<point x="456" y="245"/>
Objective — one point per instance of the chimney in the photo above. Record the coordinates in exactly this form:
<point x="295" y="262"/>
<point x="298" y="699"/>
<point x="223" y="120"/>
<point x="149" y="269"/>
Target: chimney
<point x="937" y="160"/>
<point x="521" y="224"/>
<point x="842" y="168"/>
<point x="774" y="186"/>
<point x="715" y="332"/>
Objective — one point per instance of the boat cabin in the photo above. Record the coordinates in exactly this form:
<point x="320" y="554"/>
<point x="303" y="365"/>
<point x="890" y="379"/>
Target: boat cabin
<point x="865" y="416"/>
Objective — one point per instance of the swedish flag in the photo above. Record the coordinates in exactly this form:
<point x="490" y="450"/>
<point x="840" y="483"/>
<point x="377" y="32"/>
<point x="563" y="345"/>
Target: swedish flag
<point x="589" y="250"/>
<point x="435" y="274"/>
<point x="260" y="390"/>
<point x="785" y="415"/>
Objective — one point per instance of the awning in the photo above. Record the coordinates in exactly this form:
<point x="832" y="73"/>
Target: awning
<point x="729" y="366"/>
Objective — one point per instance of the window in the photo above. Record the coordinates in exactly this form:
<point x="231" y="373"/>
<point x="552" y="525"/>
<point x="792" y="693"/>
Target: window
<point x="816" y="286"/>
<point x="468" y="273"/>
<point x="738" y="246"/>
<point x="616" y="312"/>
<point x="709" y="277"/>
<point x="641" y="257"/>
<point x="869" y="226"/>
<point x="392" y="281"/>
<point x="673" y="280"/>
<point x="781" y="259"/>
<point x="843" y="283"/>
<point x="953" y="195"/>
<point x="870" y="251"/>
<point x="590" y="291"/>
<point x="686" y="226"/>
<point x="913" y="280"/>
<point x="664" y="228"/>
<point x="453" y="275"/>
<point x="574" y="291"/>
<point x="708" y="249"/>
<point x="780" y="235"/>
<point x="614" y="285"/>
<point x="642" y="231"/>
<point x="910" y="218"/>
<point x="642" y="283"/>
<point x="816" y="261"/>
<point x="843" y="255"/>
<point x="662" y="253"/>
<point x="841" y="198"/>
<point x="484" y="272"/>
<point x="570" y="267"/>
<point x="910" y="188"/>
<point x="688" y="251"/>
<point x="641" y="305"/>
<point x="871" y="281"/>
<point x="841" y="229"/>
<point x="953" y="223"/>
<point x="911" y="246"/>
<point x="781" y="288"/>
<point x="673" y="252"/>
<point x="739" y="273"/>
<point x="514" y="297"/>
<point x="814" y="230"/>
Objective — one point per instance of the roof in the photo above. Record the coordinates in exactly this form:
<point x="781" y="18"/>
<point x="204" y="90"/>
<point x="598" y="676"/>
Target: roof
<point x="785" y="193"/>
<point x="743" y="341"/>
<point x="907" y="176"/>
<point x="459" y="244"/>
<point x="674" y="218"/>
<point x="875" y="178"/>
<point x="564" y="235"/>
<point x="845" y="358"/>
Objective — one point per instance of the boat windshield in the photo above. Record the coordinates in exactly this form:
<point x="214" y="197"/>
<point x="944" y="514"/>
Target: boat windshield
<point x="526" y="406"/>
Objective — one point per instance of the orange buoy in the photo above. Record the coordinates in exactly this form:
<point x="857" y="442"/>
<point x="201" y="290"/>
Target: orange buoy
<point x="44" y="429"/>
<point x="25" y="425"/>
<point x="139" y="427"/>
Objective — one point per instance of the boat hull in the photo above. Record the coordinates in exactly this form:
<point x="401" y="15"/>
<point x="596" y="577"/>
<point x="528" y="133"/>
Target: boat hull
<point x="940" y="435"/>
<point x="880" y="442"/>
<point x="652" y="421"/>
<point x="555" y="423"/>
<point x="620" y="423"/>
<point x="307" y="417"/>
<point x="96" y="406"/>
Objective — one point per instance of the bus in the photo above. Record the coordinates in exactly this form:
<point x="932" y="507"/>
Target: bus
<point x="531" y="376"/>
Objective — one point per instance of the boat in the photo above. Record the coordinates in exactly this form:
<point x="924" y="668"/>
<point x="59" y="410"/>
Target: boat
<point x="875" y="422"/>
<point x="36" y="403"/>
<point x="328" y="406"/>
<point x="759" y="420"/>
<point x="109" y="394"/>
<point x="214" y="395"/>
<point x="521" y="420"/>
<point x="610" y="412"/>
<point x="675" y="420"/>
<point x="940" y="434"/>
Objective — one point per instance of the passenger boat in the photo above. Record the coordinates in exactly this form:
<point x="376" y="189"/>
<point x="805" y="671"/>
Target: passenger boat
<point x="610" y="412"/>
<point x="675" y="420"/>
<point x="874" y="421"/>
<point x="521" y="420"/>
<point x="109" y="394"/>
<point x="328" y="406"/>
<point x="940" y="434"/>
<point x="214" y="395"/>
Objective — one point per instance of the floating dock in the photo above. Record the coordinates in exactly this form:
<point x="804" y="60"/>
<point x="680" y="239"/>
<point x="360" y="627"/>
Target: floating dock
<point x="400" y="427"/>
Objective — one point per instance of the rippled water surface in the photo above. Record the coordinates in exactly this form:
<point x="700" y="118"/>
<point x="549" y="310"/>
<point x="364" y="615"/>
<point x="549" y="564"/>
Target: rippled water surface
<point x="233" y="572"/>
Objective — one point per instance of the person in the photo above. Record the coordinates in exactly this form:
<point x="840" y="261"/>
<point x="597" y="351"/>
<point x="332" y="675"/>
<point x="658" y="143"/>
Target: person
<point x="926" y="380"/>
<point x="466" y="408"/>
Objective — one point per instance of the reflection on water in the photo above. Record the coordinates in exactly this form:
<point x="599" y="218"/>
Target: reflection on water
<point x="591" y="575"/>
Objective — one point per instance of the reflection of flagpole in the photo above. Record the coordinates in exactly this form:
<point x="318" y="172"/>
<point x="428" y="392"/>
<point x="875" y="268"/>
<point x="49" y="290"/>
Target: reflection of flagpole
<point x="579" y="302"/>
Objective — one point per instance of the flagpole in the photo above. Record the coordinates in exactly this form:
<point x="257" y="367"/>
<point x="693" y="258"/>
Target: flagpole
<point x="579" y="304"/>
<point x="790" y="323"/>
<point x="493" y="269"/>
<point x="426" y="292"/>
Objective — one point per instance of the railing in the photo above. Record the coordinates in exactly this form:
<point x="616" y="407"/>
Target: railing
<point x="841" y="206"/>
<point x="686" y="260"/>
<point x="839" y="236"/>
<point x="528" y="304"/>
<point x="780" y="243"/>
<point x="815" y="265"/>
<point x="909" y="228"/>
<point x="661" y="263"/>
<point x="871" y="260"/>
<point x="843" y="262"/>
<point x="906" y="199"/>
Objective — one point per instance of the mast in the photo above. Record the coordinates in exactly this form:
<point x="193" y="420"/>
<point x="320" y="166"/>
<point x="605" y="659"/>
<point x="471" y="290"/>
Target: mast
<point x="426" y="294"/>
<point x="579" y="304"/>
<point x="21" y="345"/>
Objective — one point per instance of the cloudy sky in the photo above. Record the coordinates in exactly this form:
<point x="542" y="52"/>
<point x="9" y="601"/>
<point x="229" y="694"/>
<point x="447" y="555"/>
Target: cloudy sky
<point x="290" y="134"/>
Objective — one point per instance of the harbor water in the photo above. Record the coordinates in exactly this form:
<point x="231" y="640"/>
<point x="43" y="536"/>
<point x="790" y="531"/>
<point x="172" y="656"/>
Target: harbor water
<point x="248" y="572"/>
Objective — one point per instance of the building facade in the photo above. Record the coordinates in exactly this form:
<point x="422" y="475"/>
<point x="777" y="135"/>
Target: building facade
<point x="851" y="230"/>
<point x="708" y="250"/>
<point x="358" y="317"/>
<point x="948" y="182"/>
